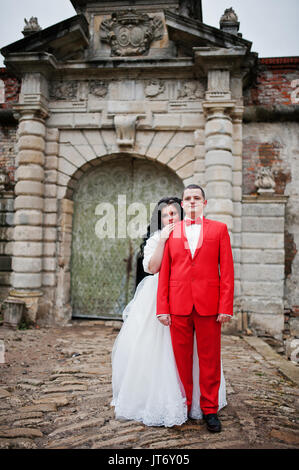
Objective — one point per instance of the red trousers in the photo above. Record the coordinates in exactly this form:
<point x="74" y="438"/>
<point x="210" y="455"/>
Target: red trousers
<point x="208" y="338"/>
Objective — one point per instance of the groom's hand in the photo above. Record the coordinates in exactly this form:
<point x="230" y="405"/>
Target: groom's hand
<point x="223" y="318"/>
<point x="164" y="319"/>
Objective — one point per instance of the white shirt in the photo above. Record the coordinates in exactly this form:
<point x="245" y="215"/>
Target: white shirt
<point x="192" y="234"/>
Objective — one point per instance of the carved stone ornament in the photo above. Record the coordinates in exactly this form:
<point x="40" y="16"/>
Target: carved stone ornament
<point x="98" y="88"/>
<point x="130" y="32"/>
<point x="63" y="90"/>
<point x="229" y="16"/>
<point x="125" y="126"/>
<point x="265" y="180"/>
<point x="31" y="26"/>
<point x="191" y="90"/>
<point x="154" y="88"/>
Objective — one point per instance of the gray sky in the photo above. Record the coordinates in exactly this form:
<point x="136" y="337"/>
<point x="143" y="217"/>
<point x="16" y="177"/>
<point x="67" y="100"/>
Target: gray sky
<point x="271" y="25"/>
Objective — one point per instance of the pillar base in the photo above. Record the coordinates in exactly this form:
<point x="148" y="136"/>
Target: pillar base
<point x="31" y="299"/>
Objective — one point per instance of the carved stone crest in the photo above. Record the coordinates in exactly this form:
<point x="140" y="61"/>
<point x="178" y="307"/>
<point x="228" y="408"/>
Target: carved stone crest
<point x="130" y="32"/>
<point x="154" y="88"/>
<point x="63" y="90"/>
<point x="265" y="180"/>
<point x="191" y="90"/>
<point x="98" y="88"/>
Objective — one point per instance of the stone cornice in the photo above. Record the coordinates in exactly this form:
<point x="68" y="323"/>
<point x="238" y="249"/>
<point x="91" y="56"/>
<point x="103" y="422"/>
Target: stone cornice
<point x="265" y="199"/>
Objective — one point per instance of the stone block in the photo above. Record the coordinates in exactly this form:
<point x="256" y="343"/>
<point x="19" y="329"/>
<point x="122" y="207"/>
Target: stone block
<point x="28" y="217"/>
<point x="167" y="121"/>
<point x="237" y="178"/>
<point x="26" y="280"/>
<point x="224" y="218"/>
<point x="50" y="219"/>
<point x="199" y="165"/>
<point x="200" y="152"/>
<point x="50" y="176"/>
<point x="49" y="264"/>
<point x="272" y="324"/>
<point x="262" y="288"/>
<point x="50" y="205"/>
<point x="237" y="224"/>
<point x="33" y="188"/>
<point x="30" y="172"/>
<point x="52" y="148"/>
<point x="52" y="135"/>
<point x="49" y="279"/>
<point x="50" y="190"/>
<point x="31" y="156"/>
<point x="49" y="248"/>
<point x="50" y="234"/>
<point x="32" y="127"/>
<point x="262" y="272"/>
<point x="159" y="142"/>
<point x="263" y="256"/>
<point x="263" y="240"/>
<point x="237" y="209"/>
<point x="185" y="156"/>
<point x="263" y="209"/>
<point x="218" y="126"/>
<point x="63" y="179"/>
<point x="186" y="171"/>
<point x="237" y="163"/>
<point x="218" y="157"/>
<point x="30" y="249"/>
<point x="67" y="206"/>
<point x="30" y="233"/>
<point x="51" y="163"/>
<point x="219" y="142"/>
<point x="237" y="193"/>
<point x="237" y="148"/>
<point x="199" y="136"/>
<point x="218" y="189"/>
<point x="26" y="265"/>
<point x="191" y="120"/>
<point x="263" y="224"/>
<point x="31" y="142"/>
<point x="70" y="158"/>
<point x="221" y="206"/>
<point x="273" y="305"/>
<point x="29" y="202"/>
<point x="218" y="173"/>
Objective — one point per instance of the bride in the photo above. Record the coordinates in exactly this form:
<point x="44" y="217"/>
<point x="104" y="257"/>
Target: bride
<point x="145" y="383"/>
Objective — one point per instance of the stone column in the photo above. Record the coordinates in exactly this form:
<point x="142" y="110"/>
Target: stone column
<point x="219" y="162"/>
<point x="29" y="201"/>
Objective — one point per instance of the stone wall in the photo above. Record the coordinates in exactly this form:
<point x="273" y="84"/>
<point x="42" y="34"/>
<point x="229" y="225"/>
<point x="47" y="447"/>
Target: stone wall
<point x="271" y="140"/>
<point x="9" y="95"/>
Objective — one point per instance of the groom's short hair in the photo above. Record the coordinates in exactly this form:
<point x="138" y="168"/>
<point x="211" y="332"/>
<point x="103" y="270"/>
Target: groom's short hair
<point x="194" y="186"/>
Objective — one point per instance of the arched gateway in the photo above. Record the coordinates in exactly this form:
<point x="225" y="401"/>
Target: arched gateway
<point x="112" y="207"/>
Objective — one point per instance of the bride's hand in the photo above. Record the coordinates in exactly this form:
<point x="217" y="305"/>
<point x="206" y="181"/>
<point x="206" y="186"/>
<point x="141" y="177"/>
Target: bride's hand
<point x="166" y="231"/>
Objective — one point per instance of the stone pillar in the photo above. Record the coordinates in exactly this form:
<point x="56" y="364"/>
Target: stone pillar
<point x="219" y="162"/>
<point x="27" y="258"/>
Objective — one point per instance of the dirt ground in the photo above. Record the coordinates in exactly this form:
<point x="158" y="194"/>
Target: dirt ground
<point x="55" y="393"/>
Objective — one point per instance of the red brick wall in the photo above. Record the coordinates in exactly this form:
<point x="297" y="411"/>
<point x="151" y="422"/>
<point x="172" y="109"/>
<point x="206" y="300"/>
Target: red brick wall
<point x="277" y="83"/>
<point x="12" y="89"/>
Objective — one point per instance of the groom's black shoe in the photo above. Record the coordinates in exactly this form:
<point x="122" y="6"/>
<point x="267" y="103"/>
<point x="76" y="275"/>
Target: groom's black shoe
<point x="213" y="423"/>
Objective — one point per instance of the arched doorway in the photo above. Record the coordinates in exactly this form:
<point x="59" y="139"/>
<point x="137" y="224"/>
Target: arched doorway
<point x="110" y="203"/>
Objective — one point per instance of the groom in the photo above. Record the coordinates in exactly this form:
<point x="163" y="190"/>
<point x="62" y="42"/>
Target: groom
<point x="196" y="292"/>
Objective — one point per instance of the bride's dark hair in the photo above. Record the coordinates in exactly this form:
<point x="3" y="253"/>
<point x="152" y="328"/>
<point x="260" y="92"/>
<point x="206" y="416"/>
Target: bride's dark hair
<point x="156" y="219"/>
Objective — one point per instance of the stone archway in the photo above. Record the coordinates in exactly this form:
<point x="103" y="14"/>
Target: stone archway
<point x="103" y="265"/>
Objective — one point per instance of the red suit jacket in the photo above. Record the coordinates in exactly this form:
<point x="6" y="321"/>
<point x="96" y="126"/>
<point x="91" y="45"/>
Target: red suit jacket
<point x="185" y="282"/>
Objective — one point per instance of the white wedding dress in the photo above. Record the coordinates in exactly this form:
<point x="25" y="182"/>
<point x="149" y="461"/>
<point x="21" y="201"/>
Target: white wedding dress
<point x="145" y="382"/>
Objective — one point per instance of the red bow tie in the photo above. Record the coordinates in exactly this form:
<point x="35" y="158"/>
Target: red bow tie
<point x="195" y="221"/>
